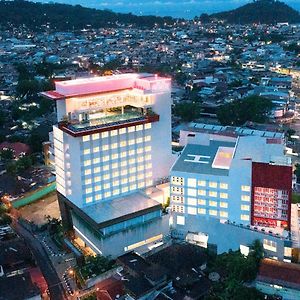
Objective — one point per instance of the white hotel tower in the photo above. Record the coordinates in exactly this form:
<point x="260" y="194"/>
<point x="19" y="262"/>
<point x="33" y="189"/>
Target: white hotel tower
<point x="111" y="143"/>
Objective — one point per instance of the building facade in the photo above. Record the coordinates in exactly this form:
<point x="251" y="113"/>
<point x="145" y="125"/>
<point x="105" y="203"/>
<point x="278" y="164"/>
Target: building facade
<point x="112" y="142"/>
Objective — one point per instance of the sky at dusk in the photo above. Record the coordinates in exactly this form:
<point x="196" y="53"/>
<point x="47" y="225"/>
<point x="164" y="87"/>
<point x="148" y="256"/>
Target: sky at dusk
<point x="175" y="8"/>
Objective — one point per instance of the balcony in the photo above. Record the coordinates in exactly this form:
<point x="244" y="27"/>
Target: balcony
<point x="76" y="128"/>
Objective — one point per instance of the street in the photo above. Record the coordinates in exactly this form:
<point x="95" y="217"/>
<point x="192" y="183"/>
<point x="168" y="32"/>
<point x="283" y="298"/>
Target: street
<point x="54" y="283"/>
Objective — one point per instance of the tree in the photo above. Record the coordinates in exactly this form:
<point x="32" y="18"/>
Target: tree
<point x="238" y="112"/>
<point x="6" y="154"/>
<point x="187" y="111"/>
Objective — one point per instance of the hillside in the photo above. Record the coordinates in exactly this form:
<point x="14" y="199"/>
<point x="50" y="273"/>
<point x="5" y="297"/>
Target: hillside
<point x="64" y="17"/>
<point x="258" y="11"/>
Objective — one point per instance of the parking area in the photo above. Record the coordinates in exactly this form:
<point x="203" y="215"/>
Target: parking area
<point x="37" y="211"/>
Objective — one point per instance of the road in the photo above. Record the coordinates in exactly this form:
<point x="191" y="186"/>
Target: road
<point x="54" y="283"/>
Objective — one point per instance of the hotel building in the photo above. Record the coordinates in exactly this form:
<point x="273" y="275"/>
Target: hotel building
<point x="111" y="143"/>
<point x="233" y="190"/>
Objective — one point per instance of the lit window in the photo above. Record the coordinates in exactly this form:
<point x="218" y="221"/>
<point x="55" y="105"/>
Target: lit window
<point x="107" y="194"/>
<point x="131" y="142"/>
<point x="131" y="161"/>
<point x="106" y="168"/>
<point x="245" y="198"/>
<point x="213" y="184"/>
<point x="139" y="140"/>
<point x="223" y="186"/>
<point x="141" y="185"/>
<point x="95" y="136"/>
<point x="123" y="163"/>
<point x="223" y="214"/>
<point x="192" y="201"/>
<point x="106" y="186"/>
<point x="148" y="126"/>
<point x="104" y="134"/>
<point x="124" y="172"/>
<point x="105" y="147"/>
<point x="98" y="197"/>
<point x="105" y="158"/>
<point x="141" y="168"/>
<point x="245" y="188"/>
<point x="213" y="203"/>
<point x="224" y="195"/>
<point x="96" y="149"/>
<point x="88" y="199"/>
<point x="115" y="156"/>
<point x="113" y="132"/>
<point x="132" y="170"/>
<point x="124" y="180"/>
<point x="87" y="162"/>
<point x="139" y="127"/>
<point x="192" y="182"/>
<point x="106" y="176"/>
<point x="223" y="204"/>
<point x="86" y="151"/>
<point x="270" y="245"/>
<point x="245" y="217"/>
<point x="88" y="172"/>
<point x="147" y="138"/>
<point x="148" y="149"/>
<point x="148" y="157"/>
<point x="201" y="202"/>
<point x="149" y="182"/>
<point x="140" y="159"/>
<point x="123" y="154"/>
<point x="132" y="178"/>
<point x="192" y="210"/>
<point x="202" y="183"/>
<point x="148" y="166"/>
<point x="125" y="189"/>
<point x="149" y="174"/>
<point x="115" y="174"/>
<point x="245" y="207"/>
<point x="192" y="192"/>
<point x="201" y="211"/>
<point x="201" y="192"/>
<point x="88" y="181"/>
<point x="88" y="191"/>
<point x="114" y="146"/>
<point x="133" y="187"/>
<point x="114" y="165"/>
<point x="97" y="179"/>
<point x="96" y="160"/>
<point x="116" y="192"/>
<point x="131" y="129"/>
<point x="97" y="188"/>
<point x="116" y="183"/>
<point x="122" y="130"/>
<point x="131" y="152"/>
<point x="213" y="194"/>
<point x="140" y="151"/>
<point x="86" y="138"/>
<point x="213" y="212"/>
<point x="123" y="144"/>
<point x="180" y="220"/>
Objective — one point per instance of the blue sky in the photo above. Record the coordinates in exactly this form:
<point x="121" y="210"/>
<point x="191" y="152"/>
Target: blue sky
<point x="175" y="8"/>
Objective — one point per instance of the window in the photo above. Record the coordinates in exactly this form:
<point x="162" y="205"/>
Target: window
<point x="148" y="157"/>
<point x="122" y="130"/>
<point x="180" y="220"/>
<point x="124" y="180"/>
<point x="201" y="211"/>
<point x="245" y="198"/>
<point x="270" y="245"/>
<point x="223" y="186"/>
<point x="115" y="156"/>
<point x="245" y="188"/>
<point x="139" y="127"/>
<point x="114" y="146"/>
<point x="98" y="197"/>
<point x="201" y="192"/>
<point x="132" y="178"/>
<point x="245" y="217"/>
<point x="106" y="168"/>
<point x="116" y="192"/>
<point x="104" y="134"/>
<point x="88" y="191"/>
<point x="213" y="184"/>
<point x="115" y="183"/>
<point x="105" y="147"/>
<point x="124" y="172"/>
<point x="86" y="151"/>
<point x="131" y="142"/>
<point x="140" y="159"/>
<point x="95" y="136"/>
<point x="124" y="163"/>
<point x="192" y="201"/>
<point x="147" y="138"/>
<point x="123" y="154"/>
<point x="131" y="152"/>
<point x="245" y="207"/>
<point x="123" y="144"/>
<point x="86" y="138"/>
<point x="213" y="203"/>
<point x="202" y="183"/>
<point x="141" y="168"/>
<point x="213" y="194"/>
<point x="115" y="174"/>
<point x="88" y="181"/>
<point x="192" y="210"/>
<point x="107" y="194"/>
<point x="224" y="195"/>
<point x="106" y="186"/>
<point x="201" y="202"/>
<point x="97" y="188"/>
<point x="89" y="200"/>
<point x="88" y="172"/>
<point x="148" y="149"/>
<point x="105" y="158"/>
<point x="223" y="205"/>
<point x="96" y="149"/>
<point x="139" y="140"/>
<point x="133" y="187"/>
<point x="113" y="132"/>
<point x="87" y="163"/>
<point x="223" y="214"/>
<point x="131" y="129"/>
<point x="213" y="212"/>
<point x="192" y="182"/>
<point x="97" y="179"/>
<point x="125" y="189"/>
<point x="192" y="192"/>
<point x="96" y="160"/>
<point x="140" y="151"/>
<point x="148" y="126"/>
<point x="114" y="165"/>
<point x="106" y="176"/>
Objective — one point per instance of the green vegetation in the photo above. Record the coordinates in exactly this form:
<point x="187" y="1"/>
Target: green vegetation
<point x="4" y="217"/>
<point x="67" y="17"/>
<point x="238" y="270"/>
<point x="15" y="167"/>
<point x="297" y="172"/>
<point x="295" y="198"/>
<point x="188" y="111"/>
<point x="94" y="266"/>
<point x="258" y="12"/>
<point x="237" y="113"/>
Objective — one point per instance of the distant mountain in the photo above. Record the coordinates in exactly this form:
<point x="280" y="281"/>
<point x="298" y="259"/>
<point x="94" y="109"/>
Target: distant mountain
<point x="65" y="17"/>
<point x="258" y="11"/>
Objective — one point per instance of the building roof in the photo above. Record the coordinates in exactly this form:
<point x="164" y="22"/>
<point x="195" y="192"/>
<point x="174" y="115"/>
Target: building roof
<point x="276" y="272"/>
<point x="210" y="159"/>
<point x="121" y="208"/>
<point x="18" y="148"/>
